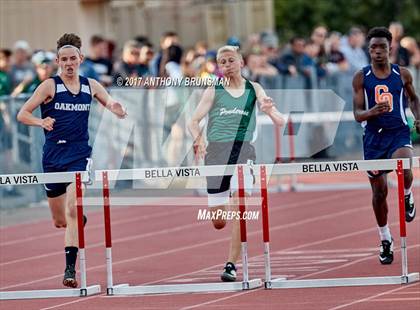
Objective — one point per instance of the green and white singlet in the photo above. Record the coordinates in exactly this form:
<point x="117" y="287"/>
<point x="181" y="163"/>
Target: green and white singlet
<point x="232" y="119"/>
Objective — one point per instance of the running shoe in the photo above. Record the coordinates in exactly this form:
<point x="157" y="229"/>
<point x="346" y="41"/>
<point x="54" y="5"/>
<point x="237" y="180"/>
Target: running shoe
<point x="386" y="252"/>
<point x="229" y="273"/>
<point x="70" y="277"/>
<point x="410" y="210"/>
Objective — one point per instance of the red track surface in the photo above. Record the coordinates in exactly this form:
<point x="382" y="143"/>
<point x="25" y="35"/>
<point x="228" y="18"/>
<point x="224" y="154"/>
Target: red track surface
<point x="313" y="235"/>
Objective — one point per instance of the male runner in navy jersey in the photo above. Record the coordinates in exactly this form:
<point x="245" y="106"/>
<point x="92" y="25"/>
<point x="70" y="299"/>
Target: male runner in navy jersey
<point x="381" y="93"/>
<point x="65" y="104"/>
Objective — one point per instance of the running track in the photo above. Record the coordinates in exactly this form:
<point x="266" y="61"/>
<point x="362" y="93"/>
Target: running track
<point x="313" y="235"/>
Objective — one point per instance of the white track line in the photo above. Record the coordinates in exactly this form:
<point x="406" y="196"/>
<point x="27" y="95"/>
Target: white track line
<point x="322" y="217"/>
<point x="92" y="227"/>
<point x="237" y="294"/>
<point x="213" y="301"/>
<point x="396" y="299"/>
<point x="125" y="221"/>
<point x="70" y="302"/>
<point x="372" y="297"/>
<point x="98" y="244"/>
<point x="297" y="278"/>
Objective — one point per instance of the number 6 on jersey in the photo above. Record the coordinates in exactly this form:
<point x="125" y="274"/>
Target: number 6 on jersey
<point x="382" y="94"/>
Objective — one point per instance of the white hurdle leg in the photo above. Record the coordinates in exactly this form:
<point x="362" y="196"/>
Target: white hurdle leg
<point x="81" y="235"/>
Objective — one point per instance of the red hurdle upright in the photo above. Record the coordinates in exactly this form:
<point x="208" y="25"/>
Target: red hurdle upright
<point x="363" y="165"/>
<point x="242" y="223"/>
<point x="266" y="231"/>
<point x="125" y="289"/>
<point x="403" y="232"/>
<point x="84" y="290"/>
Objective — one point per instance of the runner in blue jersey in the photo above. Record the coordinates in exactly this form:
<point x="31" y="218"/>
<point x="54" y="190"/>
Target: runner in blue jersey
<point x="382" y="92"/>
<point x="65" y="103"/>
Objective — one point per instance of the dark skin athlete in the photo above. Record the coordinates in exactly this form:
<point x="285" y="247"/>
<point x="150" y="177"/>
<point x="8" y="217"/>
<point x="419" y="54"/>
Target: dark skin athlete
<point x="379" y="49"/>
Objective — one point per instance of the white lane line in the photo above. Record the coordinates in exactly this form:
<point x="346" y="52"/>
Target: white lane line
<point x="125" y="239"/>
<point x="92" y="227"/>
<point x="372" y="297"/>
<point x="237" y="294"/>
<point x="396" y="299"/>
<point x="322" y="217"/>
<point x="251" y="291"/>
<point x="70" y="302"/>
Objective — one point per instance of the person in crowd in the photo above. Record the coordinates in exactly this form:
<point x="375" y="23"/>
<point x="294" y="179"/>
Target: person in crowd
<point x="98" y="59"/>
<point x="22" y="69"/>
<point x="399" y="54"/>
<point x="5" y="81"/>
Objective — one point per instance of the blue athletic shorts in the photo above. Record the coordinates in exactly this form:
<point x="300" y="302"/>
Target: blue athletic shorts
<point x="64" y="157"/>
<point x="381" y="144"/>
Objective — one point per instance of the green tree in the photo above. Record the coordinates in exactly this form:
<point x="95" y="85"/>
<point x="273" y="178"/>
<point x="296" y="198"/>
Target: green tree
<point x="299" y="17"/>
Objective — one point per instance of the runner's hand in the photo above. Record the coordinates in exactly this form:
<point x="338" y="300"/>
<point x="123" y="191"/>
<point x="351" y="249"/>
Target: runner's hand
<point x="266" y="105"/>
<point x="380" y="108"/>
<point x="48" y="123"/>
<point x="118" y="110"/>
<point x="199" y="149"/>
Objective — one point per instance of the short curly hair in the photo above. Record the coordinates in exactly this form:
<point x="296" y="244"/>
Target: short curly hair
<point x="379" y="32"/>
<point x="69" y="39"/>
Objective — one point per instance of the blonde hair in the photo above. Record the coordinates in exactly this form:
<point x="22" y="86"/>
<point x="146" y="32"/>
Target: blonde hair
<point x="228" y="48"/>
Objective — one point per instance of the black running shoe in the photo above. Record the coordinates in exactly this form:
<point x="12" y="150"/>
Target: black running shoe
<point x="386" y="252"/>
<point x="70" y="277"/>
<point x="229" y="273"/>
<point x="410" y="210"/>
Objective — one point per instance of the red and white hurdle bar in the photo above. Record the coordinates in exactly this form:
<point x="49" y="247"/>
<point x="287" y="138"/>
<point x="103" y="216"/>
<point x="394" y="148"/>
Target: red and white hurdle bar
<point x="56" y="177"/>
<point x="141" y="174"/>
<point x="391" y="164"/>
<point x="263" y="171"/>
<point x="314" y="118"/>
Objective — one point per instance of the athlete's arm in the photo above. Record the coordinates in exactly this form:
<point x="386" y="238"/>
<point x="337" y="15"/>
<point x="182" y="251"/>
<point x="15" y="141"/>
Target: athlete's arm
<point x="413" y="99"/>
<point x="359" y="111"/>
<point x="99" y="92"/>
<point x="201" y="111"/>
<point x="43" y="92"/>
<point x="267" y="105"/>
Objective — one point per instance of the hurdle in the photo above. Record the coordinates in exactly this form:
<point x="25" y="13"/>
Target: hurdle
<point x="313" y="118"/>
<point x="150" y="173"/>
<point x="347" y="166"/>
<point x="56" y="177"/>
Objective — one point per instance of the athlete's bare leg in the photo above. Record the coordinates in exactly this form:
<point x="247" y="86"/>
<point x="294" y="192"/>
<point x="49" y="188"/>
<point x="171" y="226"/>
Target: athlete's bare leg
<point x="71" y="238"/>
<point x="405" y="152"/>
<point x="235" y="241"/>
<point x="57" y="208"/>
<point x="379" y="194"/>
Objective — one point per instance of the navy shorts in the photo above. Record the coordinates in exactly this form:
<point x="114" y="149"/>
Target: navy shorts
<point x="381" y="144"/>
<point x="64" y="157"/>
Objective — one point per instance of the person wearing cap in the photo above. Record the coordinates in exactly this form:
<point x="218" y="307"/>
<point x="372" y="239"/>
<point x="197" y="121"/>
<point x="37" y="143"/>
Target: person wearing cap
<point x="44" y="68"/>
<point x="22" y="69"/>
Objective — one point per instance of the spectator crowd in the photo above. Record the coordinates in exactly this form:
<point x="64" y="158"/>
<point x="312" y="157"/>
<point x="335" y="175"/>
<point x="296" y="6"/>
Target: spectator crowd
<point x="324" y="52"/>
